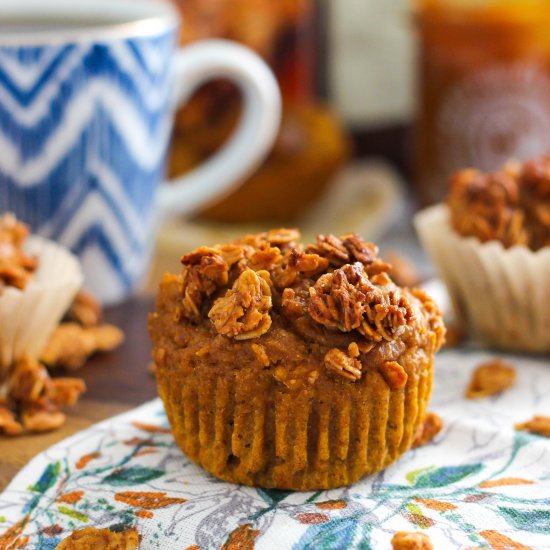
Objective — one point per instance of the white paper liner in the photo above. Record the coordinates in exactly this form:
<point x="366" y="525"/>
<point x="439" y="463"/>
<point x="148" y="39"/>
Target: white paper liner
<point x="28" y="316"/>
<point x="501" y="295"/>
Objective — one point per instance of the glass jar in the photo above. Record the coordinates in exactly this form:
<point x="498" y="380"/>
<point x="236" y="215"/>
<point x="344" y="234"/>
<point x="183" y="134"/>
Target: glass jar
<point x="311" y="145"/>
<point x="484" y="86"/>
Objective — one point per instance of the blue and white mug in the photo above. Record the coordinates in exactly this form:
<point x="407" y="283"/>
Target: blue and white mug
<point x="88" y="89"/>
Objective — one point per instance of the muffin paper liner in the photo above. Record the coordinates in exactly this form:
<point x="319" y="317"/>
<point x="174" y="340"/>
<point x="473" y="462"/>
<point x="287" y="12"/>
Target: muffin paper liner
<point x="501" y="295"/>
<point x="28" y="316"/>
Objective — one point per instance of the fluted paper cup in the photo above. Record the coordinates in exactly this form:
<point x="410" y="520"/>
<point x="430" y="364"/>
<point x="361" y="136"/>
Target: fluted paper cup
<point x="501" y="295"/>
<point x="28" y="316"/>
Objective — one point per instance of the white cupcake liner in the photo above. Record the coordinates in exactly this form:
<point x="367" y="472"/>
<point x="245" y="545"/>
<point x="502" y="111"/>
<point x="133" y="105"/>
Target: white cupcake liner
<point x="502" y="295"/>
<point x="28" y="316"/>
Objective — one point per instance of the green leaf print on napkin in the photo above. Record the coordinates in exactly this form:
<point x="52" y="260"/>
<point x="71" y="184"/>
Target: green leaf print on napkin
<point x="132" y="476"/>
<point x="533" y="521"/>
<point x="47" y="479"/>
<point x="446" y="475"/>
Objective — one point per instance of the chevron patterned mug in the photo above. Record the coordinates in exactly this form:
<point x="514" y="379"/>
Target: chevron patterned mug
<point x="88" y="89"/>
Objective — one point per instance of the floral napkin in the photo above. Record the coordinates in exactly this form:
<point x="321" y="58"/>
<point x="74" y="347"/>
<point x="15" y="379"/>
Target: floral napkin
<point x="479" y="484"/>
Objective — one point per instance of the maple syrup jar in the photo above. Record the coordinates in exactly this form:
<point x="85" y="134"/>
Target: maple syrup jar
<point x="484" y="87"/>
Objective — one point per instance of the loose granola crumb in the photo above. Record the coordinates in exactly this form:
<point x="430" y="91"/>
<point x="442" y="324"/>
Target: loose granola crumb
<point x="71" y="344"/>
<point x="339" y="362"/>
<point x="404" y="540"/>
<point x="8" y="423"/>
<point x="91" y="538"/>
<point x="33" y="400"/>
<point x="539" y="425"/>
<point x="490" y="378"/>
<point x="16" y="267"/>
<point x="85" y="310"/>
<point x="243" y="312"/>
<point x="394" y="374"/>
<point x="42" y="419"/>
<point x="428" y="429"/>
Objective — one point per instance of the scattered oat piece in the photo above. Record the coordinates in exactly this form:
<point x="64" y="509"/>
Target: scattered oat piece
<point x="339" y="362"/>
<point x="65" y="391"/>
<point x="394" y="374"/>
<point x="539" y="425"/>
<point x="430" y="427"/>
<point x="403" y="540"/>
<point x="490" y="378"/>
<point x="71" y="344"/>
<point x="92" y="538"/>
<point x="85" y="310"/>
<point x="403" y="272"/>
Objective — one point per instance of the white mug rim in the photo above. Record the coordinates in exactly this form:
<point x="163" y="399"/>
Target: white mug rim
<point x="130" y="19"/>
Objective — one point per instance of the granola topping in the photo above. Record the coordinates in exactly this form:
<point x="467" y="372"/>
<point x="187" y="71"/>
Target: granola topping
<point x="394" y="374"/>
<point x="336" y="294"/>
<point x="341" y="363"/>
<point x="511" y="205"/>
<point x="243" y="312"/>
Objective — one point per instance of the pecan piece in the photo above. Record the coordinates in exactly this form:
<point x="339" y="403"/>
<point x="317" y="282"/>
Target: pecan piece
<point x="337" y="300"/>
<point x="431" y="425"/>
<point x="243" y="312"/>
<point x="347" y="300"/>
<point x="93" y="538"/>
<point x="204" y="272"/>
<point x="339" y="362"/>
<point x="539" y="425"/>
<point x="403" y="540"/>
<point x="394" y="374"/>
<point x="490" y="378"/>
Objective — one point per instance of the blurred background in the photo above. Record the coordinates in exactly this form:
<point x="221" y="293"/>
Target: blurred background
<point x="382" y="101"/>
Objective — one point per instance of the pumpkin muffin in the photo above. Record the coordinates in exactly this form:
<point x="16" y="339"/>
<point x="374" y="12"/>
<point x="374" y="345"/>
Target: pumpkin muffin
<point x="491" y="244"/>
<point x="293" y="367"/>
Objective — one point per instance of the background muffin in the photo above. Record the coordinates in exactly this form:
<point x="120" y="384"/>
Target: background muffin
<point x="291" y="367"/>
<point x="490" y="243"/>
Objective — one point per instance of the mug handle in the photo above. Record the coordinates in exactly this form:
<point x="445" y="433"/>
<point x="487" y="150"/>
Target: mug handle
<point x="254" y="136"/>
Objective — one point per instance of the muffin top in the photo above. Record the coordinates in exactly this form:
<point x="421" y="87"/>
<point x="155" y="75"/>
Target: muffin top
<point x="16" y="267"/>
<point x="335" y="296"/>
<point x="511" y="205"/>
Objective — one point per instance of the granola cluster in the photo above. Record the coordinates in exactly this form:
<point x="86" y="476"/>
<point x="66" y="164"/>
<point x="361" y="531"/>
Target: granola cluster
<point x="31" y="401"/>
<point x="16" y="267"/>
<point x="336" y="292"/>
<point x="511" y="205"/>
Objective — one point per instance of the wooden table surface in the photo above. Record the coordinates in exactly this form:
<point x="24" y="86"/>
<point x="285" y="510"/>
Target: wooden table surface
<point x="117" y="381"/>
